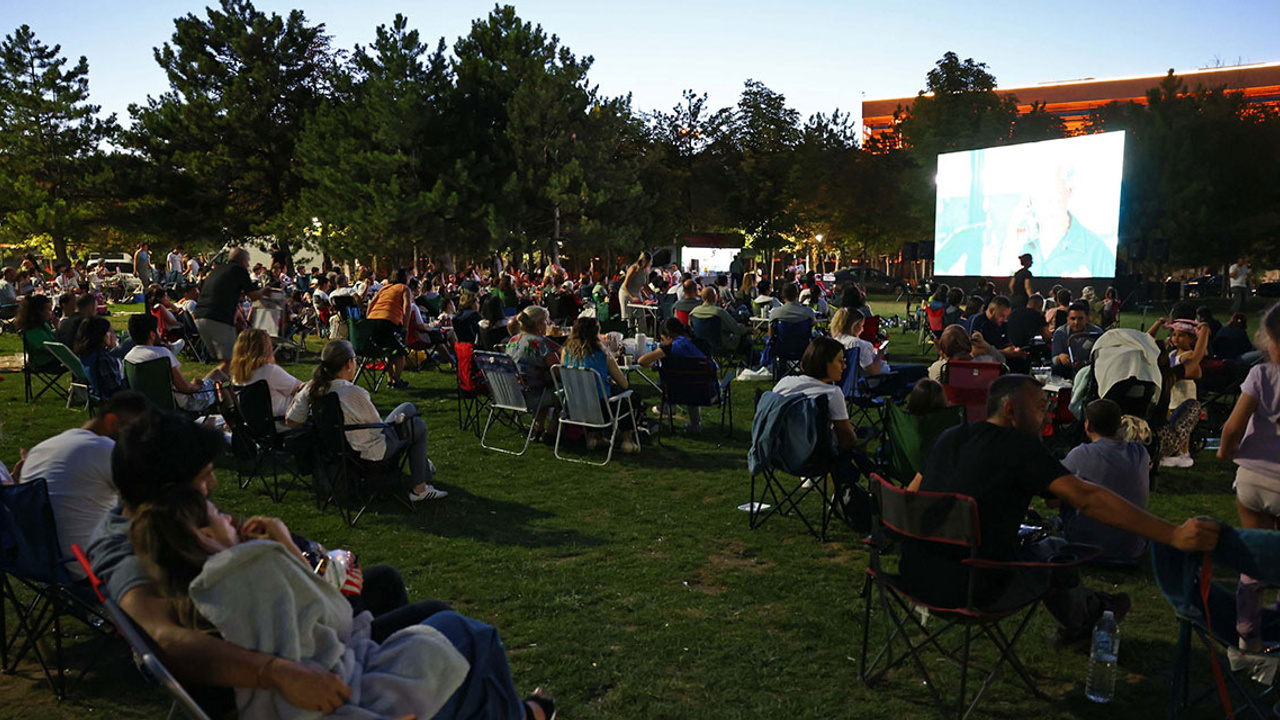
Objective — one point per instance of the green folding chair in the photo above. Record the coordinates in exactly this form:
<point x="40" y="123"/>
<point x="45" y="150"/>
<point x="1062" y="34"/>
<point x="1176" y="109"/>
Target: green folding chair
<point x="154" y="379"/>
<point x="909" y="438"/>
<point x="81" y="387"/>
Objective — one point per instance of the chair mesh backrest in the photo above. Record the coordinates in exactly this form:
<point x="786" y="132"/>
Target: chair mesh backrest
<point x="706" y="329"/>
<point x="68" y="360"/>
<point x="911" y="437"/>
<point x="583" y="388"/>
<point x="503" y="377"/>
<point x="469" y="378"/>
<point x="968" y="383"/>
<point x="154" y="379"/>
<point x="254" y="403"/>
<point x="944" y="518"/>
<point x="28" y="535"/>
<point x="689" y="381"/>
<point x="791" y="339"/>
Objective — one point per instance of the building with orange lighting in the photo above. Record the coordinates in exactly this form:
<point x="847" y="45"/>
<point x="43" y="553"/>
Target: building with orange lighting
<point x="1073" y="100"/>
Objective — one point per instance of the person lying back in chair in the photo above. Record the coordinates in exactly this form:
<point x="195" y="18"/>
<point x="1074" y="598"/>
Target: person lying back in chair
<point x="1002" y="463"/>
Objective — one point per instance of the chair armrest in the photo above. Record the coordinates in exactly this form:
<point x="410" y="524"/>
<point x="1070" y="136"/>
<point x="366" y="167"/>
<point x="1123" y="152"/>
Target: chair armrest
<point x="366" y="426"/>
<point x="621" y="395"/>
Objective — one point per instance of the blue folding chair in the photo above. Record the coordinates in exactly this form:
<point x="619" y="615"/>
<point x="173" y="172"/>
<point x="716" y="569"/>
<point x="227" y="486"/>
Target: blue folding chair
<point x="787" y="343"/>
<point x="1210" y="612"/>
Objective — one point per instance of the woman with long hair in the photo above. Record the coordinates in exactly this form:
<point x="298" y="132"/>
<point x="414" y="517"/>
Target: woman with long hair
<point x="95" y="339"/>
<point x="405" y="429"/>
<point x="254" y="359"/>
<point x="493" y="332"/>
<point x="34" y="322"/>
<point x="389" y="311"/>
<point x="217" y="573"/>
<point x="584" y="350"/>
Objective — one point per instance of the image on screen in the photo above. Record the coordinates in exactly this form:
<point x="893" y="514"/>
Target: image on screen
<point x="1056" y="200"/>
<point x="708" y="260"/>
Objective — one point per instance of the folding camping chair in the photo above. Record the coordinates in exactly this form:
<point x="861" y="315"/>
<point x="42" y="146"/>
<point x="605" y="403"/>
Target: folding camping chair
<point x="342" y="477"/>
<point x="947" y="523"/>
<point x="967" y="383"/>
<point x="261" y="434"/>
<point x="695" y="382"/>
<point x="866" y="409"/>
<point x="30" y="558"/>
<point x="508" y="403"/>
<point x="81" y="387"/>
<point x="908" y="438"/>
<point x="582" y="390"/>
<point x="39" y="379"/>
<point x="1207" y="610"/>
<point x="773" y="456"/>
<point x="371" y="360"/>
<point x="787" y="344"/>
<point x="143" y="654"/>
<point x="154" y="379"/>
<point x="473" y="394"/>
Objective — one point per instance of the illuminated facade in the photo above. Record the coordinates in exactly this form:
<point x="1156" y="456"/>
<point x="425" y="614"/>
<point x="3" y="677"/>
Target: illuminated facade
<point x="1073" y="100"/>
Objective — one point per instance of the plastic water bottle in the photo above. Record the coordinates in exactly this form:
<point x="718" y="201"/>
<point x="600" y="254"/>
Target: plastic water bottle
<point x="641" y="344"/>
<point x="1101" y="685"/>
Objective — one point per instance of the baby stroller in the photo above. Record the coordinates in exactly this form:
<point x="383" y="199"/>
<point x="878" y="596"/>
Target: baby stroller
<point x="1124" y="367"/>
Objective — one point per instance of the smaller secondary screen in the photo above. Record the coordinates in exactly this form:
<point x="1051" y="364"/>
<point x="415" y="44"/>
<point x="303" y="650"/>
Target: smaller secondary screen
<point x="1056" y="200"/>
<point x="707" y="260"/>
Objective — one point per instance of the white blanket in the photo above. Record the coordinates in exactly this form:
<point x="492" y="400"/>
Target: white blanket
<point x="261" y="597"/>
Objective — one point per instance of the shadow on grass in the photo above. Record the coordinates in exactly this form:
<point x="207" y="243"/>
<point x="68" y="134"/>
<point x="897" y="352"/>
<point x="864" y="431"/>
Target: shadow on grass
<point x="467" y="515"/>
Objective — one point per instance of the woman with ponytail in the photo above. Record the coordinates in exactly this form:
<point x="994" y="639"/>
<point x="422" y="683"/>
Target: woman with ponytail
<point x="336" y="373"/>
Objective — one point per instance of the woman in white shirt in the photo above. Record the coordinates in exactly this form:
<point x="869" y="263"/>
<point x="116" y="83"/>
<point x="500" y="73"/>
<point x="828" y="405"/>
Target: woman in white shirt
<point x="823" y="366"/>
<point x="254" y="359"/>
<point x="846" y="326"/>
<point x="405" y="428"/>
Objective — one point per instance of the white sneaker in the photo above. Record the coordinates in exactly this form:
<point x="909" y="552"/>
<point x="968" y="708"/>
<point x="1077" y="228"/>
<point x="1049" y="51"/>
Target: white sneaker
<point x="428" y="493"/>
<point x="1177" y="461"/>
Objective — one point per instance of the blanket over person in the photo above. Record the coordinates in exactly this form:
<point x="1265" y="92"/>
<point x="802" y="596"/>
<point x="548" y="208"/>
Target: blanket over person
<point x="261" y="597"/>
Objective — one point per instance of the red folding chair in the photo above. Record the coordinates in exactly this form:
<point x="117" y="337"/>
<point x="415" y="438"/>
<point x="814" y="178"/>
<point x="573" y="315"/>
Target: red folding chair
<point x="968" y="383"/>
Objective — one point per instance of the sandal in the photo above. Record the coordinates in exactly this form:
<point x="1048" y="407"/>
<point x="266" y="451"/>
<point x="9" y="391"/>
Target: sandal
<point x="544" y="703"/>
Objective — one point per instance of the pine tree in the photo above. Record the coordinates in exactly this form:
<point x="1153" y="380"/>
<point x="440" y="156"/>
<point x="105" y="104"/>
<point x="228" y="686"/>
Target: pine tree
<point x="241" y="84"/>
<point x="52" y="173"/>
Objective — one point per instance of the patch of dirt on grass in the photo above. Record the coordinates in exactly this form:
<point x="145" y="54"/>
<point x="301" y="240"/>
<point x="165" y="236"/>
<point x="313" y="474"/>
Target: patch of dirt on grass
<point x="734" y="556"/>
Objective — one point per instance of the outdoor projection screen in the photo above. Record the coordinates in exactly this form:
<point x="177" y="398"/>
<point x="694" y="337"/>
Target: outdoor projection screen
<point x="1058" y="200"/>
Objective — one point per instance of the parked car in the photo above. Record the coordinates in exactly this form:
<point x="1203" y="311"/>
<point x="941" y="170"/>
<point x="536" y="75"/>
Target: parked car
<point x="873" y="281"/>
<point x="1204" y="286"/>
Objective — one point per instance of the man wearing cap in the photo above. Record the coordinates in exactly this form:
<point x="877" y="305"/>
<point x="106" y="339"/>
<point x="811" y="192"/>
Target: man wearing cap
<point x="1020" y="283"/>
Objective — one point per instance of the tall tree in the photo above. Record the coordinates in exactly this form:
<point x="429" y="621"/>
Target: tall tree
<point x="764" y="136"/>
<point x="370" y="153"/>
<point x="53" y="177"/>
<point x="241" y="83"/>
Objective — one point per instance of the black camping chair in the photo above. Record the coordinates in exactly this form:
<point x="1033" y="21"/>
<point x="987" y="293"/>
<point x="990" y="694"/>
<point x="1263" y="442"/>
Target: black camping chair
<point x="257" y="421"/>
<point x="31" y="560"/>
<point x="947" y="523"/>
<point x="39" y="378"/>
<point x="343" y="478"/>
<point x="695" y="382"/>
<point x="372" y="360"/>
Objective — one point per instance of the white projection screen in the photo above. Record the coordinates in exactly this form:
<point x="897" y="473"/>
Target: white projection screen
<point x="1057" y="200"/>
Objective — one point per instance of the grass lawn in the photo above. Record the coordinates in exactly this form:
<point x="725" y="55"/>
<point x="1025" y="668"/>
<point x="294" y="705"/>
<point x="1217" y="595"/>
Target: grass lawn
<point x="637" y="590"/>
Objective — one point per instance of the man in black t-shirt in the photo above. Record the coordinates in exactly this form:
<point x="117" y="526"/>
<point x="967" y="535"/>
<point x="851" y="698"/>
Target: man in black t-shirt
<point x="1002" y="464"/>
<point x="216" y="308"/>
<point x="1026" y="327"/>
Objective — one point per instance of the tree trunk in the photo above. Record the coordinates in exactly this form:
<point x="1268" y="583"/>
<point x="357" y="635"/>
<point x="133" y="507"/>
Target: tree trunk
<point x="555" y="238"/>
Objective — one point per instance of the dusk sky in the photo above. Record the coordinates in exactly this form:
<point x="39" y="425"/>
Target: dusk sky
<point x="821" y="54"/>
